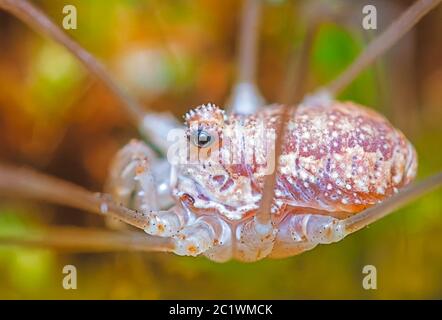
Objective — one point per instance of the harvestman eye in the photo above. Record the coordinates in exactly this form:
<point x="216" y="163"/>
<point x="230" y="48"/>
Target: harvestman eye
<point x="202" y="139"/>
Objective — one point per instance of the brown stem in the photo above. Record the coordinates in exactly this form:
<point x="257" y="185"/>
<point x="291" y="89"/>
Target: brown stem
<point x="383" y="42"/>
<point x="37" y="20"/>
<point x="79" y="239"/>
<point x="31" y="184"/>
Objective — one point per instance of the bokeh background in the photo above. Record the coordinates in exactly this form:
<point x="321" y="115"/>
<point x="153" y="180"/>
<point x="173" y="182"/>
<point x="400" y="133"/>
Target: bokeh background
<point x="177" y="54"/>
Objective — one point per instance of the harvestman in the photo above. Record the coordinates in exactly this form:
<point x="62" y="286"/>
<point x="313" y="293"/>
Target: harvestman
<point x="340" y="166"/>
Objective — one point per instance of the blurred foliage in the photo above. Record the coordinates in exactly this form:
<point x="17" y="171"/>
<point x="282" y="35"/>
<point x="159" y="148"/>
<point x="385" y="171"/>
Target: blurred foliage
<point x="178" y="54"/>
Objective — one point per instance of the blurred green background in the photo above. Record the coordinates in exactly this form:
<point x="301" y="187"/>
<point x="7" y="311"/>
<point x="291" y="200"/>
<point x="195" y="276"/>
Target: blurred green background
<point x="177" y="54"/>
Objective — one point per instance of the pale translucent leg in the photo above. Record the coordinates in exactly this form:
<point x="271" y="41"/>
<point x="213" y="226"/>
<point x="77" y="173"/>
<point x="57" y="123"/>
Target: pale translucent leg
<point x="207" y="235"/>
<point x="130" y="177"/>
<point x="153" y="174"/>
<point x="180" y="233"/>
<point x="246" y="98"/>
<point x="322" y="97"/>
<point x="132" y="183"/>
<point x="298" y="233"/>
<point x="254" y="241"/>
<point x="157" y="126"/>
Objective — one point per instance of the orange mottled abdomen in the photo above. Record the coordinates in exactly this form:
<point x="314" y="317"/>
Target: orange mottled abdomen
<point x="342" y="158"/>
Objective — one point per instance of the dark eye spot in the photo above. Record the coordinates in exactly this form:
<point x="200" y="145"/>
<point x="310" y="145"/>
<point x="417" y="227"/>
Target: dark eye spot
<point x="202" y="139"/>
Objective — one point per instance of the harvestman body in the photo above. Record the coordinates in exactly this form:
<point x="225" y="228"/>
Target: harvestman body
<point x="336" y="162"/>
<point x="338" y="159"/>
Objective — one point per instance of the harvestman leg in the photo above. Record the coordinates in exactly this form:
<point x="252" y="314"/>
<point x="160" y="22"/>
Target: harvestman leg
<point x="158" y="125"/>
<point x="298" y="233"/>
<point x="190" y="236"/>
<point x="246" y="97"/>
<point x="255" y="240"/>
<point x="78" y="239"/>
<point x="39" y="186"/>
<point x="133" y="185"/>
<point x="378" y="46"/>
<point x="205" y="234"/>
<point x="37" y="20"/>
<point x="200" y="238"/>
<point x="27" y="183"/>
